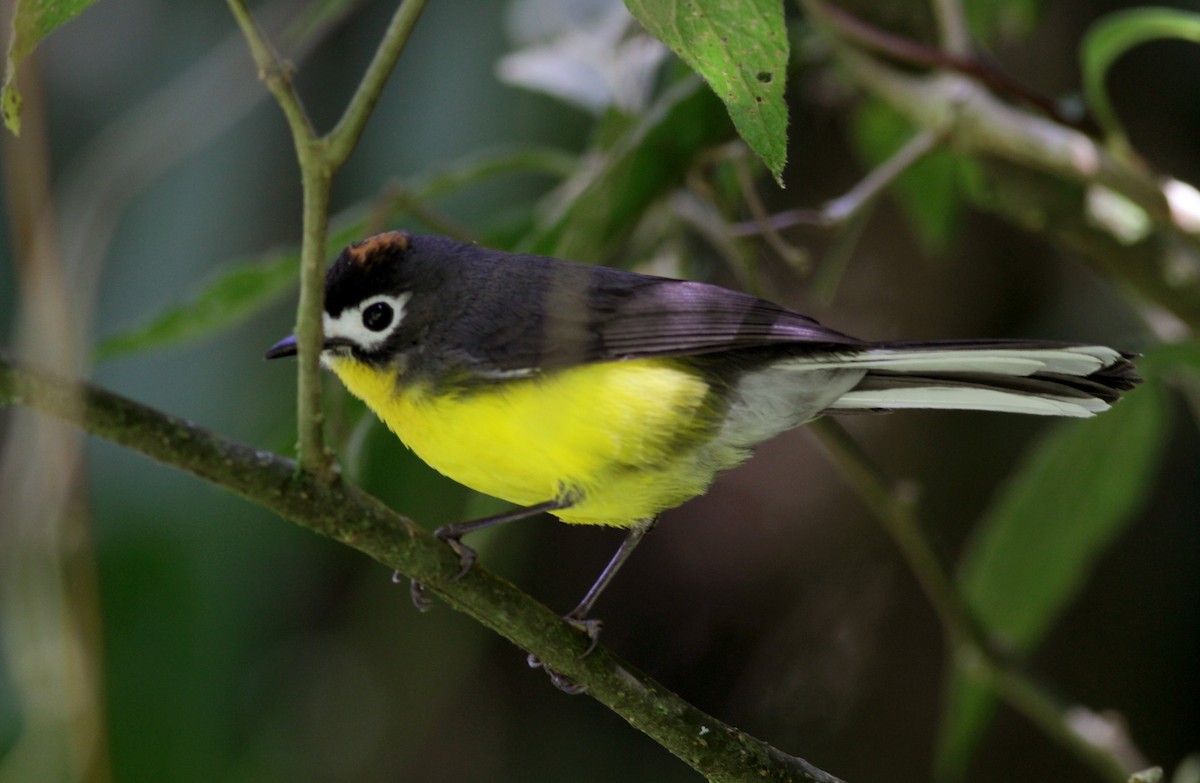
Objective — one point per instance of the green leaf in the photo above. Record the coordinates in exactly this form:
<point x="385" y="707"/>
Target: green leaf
<point x="1112" y="36"/>
<point x="1070" y="498"/>
<point x="234" y="296"/>
<point x="32" y="21"/>
<point x="244" y="289"/>
<point x="930" y="192"/>
<point x="740" y="47"/>
<point x="596" y="210"/>
<point x="996" y="21"/>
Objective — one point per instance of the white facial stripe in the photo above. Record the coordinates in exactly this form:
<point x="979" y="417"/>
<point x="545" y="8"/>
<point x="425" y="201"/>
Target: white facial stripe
<point x="348" y="325"/>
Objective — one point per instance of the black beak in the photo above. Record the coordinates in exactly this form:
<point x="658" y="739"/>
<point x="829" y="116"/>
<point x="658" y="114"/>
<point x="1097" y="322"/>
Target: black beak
<point x="285" y="347"/>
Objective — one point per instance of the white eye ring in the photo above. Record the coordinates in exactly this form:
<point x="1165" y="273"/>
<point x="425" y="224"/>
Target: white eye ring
<point x="368" y="325"/>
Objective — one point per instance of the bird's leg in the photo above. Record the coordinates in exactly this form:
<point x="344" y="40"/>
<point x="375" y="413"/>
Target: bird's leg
<point x="452" y="534"/>
<point x="578" y="616"/>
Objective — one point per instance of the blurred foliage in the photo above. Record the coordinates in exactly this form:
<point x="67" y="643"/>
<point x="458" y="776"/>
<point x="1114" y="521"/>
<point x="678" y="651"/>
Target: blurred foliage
<point x="32" y="20"/>
<point x="930" y="191"/>
<point x="1114" y="35"/>
<point x="996" y="21"/>
<point x="1031" y="553"/>
<point x="240" y="649"/>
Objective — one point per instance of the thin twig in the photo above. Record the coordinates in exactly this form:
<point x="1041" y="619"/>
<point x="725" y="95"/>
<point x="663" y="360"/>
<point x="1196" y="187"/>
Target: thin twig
<point x="841" y="210"/>
<point x="273" y="72"/>
<point x="343" y="513"/>
<point x="975" y="122"/>
<point x="320" y="159"/>
<point x="907" y="50"/>
<point x="345" y="135"/>
<point x="952" y="27"/>
<point x="895" y="506"/>
<point x="762" y="219"/>
<point x="316" y="182"/>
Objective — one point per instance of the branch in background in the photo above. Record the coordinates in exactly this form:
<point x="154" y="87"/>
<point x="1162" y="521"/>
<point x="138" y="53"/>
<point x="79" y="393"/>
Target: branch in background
<point x="49" y="597"/>
<point x="345" y="514"/>
<point x="954" y="58"/>
<point x="952" y="27"/>
<point x="344" y="137"/>
<point x="1158" y="270"/>
<point x="842" y="210"/>
<point x="1166" y="267"/>
<point x="894" y="504"/>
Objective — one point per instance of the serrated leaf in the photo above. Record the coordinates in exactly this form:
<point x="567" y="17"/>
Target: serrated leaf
<point x="1072" y="495"/>
<point x="740" y="47"/>
<point x="1113" y="35"/>
<point x="32" y="20"/>
<point x="929" y="192"/>
<point x="597" y="209"/>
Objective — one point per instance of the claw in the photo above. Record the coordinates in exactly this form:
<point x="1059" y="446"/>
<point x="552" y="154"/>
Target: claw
<point x="590" y="628"/>
<point x="466" y="559"/>
<point x="466" y="555"/>
<point x="564" y="684"/>
<point x="419" y="598"/>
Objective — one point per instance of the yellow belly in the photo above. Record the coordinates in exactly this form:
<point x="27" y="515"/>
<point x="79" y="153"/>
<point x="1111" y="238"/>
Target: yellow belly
<point x="629" y="437"/>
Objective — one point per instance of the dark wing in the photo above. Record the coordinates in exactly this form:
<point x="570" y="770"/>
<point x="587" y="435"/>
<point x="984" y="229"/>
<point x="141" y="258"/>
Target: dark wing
<point x="660" y="317"/>
<point x="539" y="314"/>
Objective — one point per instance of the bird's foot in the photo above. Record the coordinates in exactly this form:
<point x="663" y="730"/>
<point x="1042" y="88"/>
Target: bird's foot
<point x="466" y="559"/>
<point x="591" y="629"/>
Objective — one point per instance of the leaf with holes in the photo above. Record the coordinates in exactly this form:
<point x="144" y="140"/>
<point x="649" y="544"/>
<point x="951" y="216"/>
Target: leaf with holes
<point x="740" y="47"/>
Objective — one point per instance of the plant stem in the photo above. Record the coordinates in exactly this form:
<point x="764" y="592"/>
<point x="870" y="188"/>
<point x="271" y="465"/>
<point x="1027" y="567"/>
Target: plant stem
<point x="310" y="416"/>
<point x="952" y="27"/>
<point x="895" y="506"/>
<point x="345" y="135"/>
<point x="320" y="159"/>
<point x="840" y="211"/>
<point x="273" y="72"/>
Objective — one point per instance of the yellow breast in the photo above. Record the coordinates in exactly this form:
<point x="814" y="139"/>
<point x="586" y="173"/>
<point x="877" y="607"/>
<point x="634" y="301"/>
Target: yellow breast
<point x="628" y="435"/>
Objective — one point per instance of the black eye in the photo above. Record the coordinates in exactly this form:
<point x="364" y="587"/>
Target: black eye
<point x="378" y="316"/>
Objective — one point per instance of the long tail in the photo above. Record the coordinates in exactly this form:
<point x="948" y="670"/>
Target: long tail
<point x="1047" y="379"/>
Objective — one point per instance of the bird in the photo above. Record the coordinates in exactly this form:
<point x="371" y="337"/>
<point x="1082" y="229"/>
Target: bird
<point x="605" y="396"/>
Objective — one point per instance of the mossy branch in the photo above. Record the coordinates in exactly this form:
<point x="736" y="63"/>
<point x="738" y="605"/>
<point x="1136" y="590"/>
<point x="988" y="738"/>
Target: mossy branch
<point x="346" y="514"/>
